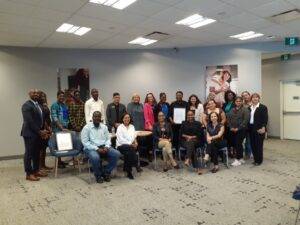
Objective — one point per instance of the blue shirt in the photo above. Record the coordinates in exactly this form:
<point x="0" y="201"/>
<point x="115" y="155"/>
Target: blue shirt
<point x="60" y="113"/>
<point x="165" y="110"/>
<point x="92" y="137"/>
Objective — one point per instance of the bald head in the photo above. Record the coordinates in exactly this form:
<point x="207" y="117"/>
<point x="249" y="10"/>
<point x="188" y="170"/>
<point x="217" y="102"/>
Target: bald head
<point x="33" y="94"/>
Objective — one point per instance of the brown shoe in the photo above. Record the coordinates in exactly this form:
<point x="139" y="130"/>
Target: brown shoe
<point x="40" y="174"/>
<point x="31" y="177"/>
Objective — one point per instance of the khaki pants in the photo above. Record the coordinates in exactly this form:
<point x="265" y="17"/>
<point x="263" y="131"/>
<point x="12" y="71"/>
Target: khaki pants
<point x="166" y="147"/>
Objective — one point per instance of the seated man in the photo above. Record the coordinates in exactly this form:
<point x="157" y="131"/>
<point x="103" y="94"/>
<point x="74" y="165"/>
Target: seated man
<point x="96" y="144"/>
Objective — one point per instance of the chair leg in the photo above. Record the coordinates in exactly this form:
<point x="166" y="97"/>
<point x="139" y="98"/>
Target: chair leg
<point x="56" y="167"/>
<point x="89" y="171"/>
<point x="297" y="214"/>
<point x="227" y="160"/>
<point x="155" y="160"/>
<point x="74" y="163"/>
<point x="79" y="167"/>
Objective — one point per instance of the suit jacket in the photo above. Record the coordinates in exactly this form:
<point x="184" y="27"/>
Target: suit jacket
<point x="111" y="114"/>
<point x="260" y="117"/>
<point x="32" y="120"/>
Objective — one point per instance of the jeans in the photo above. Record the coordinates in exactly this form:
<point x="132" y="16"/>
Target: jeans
<point x="248" y="149"/>
<point x="95" y="159"/>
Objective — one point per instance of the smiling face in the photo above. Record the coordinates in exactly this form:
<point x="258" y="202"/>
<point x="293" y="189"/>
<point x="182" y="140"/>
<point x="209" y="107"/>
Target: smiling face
<point x="161" y="117"/>
<point x="136" y="99"/>
<point x="77" y="96"/>
<point x="126" y="120"/>
<point x="95" y="94"/>
<point x="211" y="105"/>
<point x="214" y="117"/>
<point x="230" y="96"/>
<point x="34" y="94"/>
<point x="246" y="96"/>
<point x="190" y="116"/>
<point x="150" y="98"/>
<point x="193" y="100"/>
<point x="238" y="102"/>
<point x="61" y="98"/>
<point x="255" y="99"/>
<point x="96" y="117"/>
<point x="179" y="96"/>
<point x="116" y="99"/>
<point x="163" y="98"/>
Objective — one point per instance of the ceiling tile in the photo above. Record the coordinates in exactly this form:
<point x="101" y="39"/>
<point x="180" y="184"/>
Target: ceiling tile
<point x="167" y="2"/>
<point x="171" y="15"/>
<point x="293" y="25"/>
<point x="70" y="6"/>
<point x="296" y="3"/>
<point x="30" y="2"/>
<point x="16" y="8"/>
<point x="146" y="7"/>
<point x="200" y="6"/>
<point x="50" y="15"/>
<point x="278" y="30"/>
<point x="247" y="4"/>
<point x="272" y="8"/>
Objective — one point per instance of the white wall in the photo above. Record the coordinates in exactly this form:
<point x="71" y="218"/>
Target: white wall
<point x="274" y="71"/>
<point x="116" y="70"/>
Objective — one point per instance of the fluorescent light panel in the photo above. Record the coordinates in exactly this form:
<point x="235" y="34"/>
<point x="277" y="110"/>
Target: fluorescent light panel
<point x="117" y="4"/>
<point x="71" y="29"/>
<point x="142" y="41"/>
<point x="195" y="21"/>
<point x="247" y="35"/>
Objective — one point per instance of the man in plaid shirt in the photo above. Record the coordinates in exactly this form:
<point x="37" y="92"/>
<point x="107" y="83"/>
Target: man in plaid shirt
<point x="76" y="113"/>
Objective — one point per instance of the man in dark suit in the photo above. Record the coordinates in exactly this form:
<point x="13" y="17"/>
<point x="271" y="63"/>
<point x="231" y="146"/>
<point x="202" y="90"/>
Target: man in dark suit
<point x="32" y="132"/>
<point x="115" y="112"/>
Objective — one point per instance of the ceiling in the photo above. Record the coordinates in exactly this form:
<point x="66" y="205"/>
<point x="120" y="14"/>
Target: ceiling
<point x="32" y="23"/>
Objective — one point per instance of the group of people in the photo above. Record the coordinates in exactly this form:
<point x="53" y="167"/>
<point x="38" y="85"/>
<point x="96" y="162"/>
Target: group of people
<point x="112" y="132"/>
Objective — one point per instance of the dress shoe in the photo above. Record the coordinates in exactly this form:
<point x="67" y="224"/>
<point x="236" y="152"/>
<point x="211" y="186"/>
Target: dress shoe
<point x="106" y="178"/>
<point x="47" y="168"/>
<point x="31" y="177"/>
<point x="130" y="176"/>
<point x="139" y="169"/>
<point x="165" y="169"/>
<point x="214" y="170"/>
<point x="99" y="180"/>
<point x="176" y="167"/>
<point x="40" y="174"/>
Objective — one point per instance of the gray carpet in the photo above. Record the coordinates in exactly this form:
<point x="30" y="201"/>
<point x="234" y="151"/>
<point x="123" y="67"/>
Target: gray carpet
<point x="245" y="195"/>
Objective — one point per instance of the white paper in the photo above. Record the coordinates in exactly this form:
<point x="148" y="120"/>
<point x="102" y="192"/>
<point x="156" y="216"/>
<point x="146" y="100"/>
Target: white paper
<point x="179" y="115"/>
<point x="64" y="141"/>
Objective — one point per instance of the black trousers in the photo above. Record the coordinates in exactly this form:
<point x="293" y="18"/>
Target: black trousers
<point x="257" y="143"/>
<point x="190" y="147"/>
<point x="32" y="154"/>
<point x="176" y="133"/>
<point x="237" y="139"/>
<point x="130" y="157"/>
<point x="213" y="149"/>
<point x="145" y="145"/>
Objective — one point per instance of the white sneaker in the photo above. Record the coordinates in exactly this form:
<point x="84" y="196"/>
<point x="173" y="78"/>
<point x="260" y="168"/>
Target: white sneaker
<point x="242" y="161"/>
<point x="236" y="163"/>
<point x="206" y="157"/>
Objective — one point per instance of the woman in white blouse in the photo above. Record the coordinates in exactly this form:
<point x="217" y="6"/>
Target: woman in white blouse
<point x="127" y="145"/>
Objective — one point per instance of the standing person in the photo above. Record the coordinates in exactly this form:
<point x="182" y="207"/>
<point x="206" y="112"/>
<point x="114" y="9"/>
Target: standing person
<point x="150" y="103"/>
<point x="196" y="106"/>
<point x="179" y="103"/>
<point x="60" y="119"/>
<point x="92" y="105"/>
<point x="257" y="126"/>
<point x="162" y="106"/>
<point x="212" y="107"/>
<point x="247" y="103"/>
<point x="76" y="113"/>
<point x="127" y="145"/>
<point x="114" y="113"/>
<point x="237" y="121"/>
<point x="32" y="133"/>
<point x="42" y="100"/>
<point x="162" y="138"/>
<point x="214" y="136"/>
<point x="136" y="112"/>
<point x="192" y="136"/>
<point x="96" y="142"/>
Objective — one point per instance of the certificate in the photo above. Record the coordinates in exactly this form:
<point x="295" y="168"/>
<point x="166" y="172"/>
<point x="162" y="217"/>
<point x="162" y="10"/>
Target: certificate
<point x="179" y="115"/>
<point x="64" y="141"/>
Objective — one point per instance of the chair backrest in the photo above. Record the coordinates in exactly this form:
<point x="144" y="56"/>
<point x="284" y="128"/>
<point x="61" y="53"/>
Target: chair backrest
<point x="76" y="142"/>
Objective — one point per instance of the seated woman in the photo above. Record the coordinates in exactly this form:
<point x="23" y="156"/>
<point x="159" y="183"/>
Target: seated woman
<point x="192" y="136"/>
<point x="127" y="145"/>
<point x="162" y="136"/>
<point x="214" y="137"/>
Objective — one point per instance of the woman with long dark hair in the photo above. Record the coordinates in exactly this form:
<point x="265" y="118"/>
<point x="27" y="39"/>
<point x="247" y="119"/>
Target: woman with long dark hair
<point x="196" y="106"/>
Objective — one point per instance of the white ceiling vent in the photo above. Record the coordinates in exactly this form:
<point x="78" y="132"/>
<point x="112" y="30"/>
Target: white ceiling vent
<point x="157" y="35"/>
<point x="286" y="16"/>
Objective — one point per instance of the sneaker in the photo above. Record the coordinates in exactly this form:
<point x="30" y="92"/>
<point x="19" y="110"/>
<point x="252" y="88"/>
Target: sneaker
<point x="242" y="161"/>
<point x="206" y="157"/>
<point x="236" y="163"/>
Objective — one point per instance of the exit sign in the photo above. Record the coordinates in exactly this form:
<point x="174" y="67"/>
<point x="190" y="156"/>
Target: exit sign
<point x="291" y="41"/>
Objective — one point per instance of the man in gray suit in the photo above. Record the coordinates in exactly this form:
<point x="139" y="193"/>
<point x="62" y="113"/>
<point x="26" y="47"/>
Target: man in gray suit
<point x="115" y="112"/>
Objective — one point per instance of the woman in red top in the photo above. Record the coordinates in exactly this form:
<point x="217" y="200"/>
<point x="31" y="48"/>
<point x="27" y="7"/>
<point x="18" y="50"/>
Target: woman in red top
<point x="149" y="105"/>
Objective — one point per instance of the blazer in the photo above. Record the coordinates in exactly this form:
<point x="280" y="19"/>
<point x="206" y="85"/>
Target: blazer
<point x="158" y="133"/>
<point x="260" y="117"/>
<point x="32" y="120"/>
<point x="111" y="114"/>
<point x="149" y="116"/>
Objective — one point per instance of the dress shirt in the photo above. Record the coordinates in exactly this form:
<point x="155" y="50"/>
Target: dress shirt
<point x="253" y="108"/>
<point x="92" y="106"/>
<point x="125" y="135"/>
<point x="92" y="137"/>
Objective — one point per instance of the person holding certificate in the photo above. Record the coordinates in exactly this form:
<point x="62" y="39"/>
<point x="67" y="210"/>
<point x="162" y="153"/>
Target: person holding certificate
<point x="178" y="111"/>
<point x="96" y="142"/>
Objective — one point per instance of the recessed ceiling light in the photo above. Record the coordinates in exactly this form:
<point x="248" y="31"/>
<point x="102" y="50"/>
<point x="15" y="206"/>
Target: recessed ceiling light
<point x="71" y="29"/>
<point x="142" y="41"/>
<point x="247" y="35"/>
<point x="195" y="21"/>
<point x="117" y="4"/>
<point x="64" y="27"/>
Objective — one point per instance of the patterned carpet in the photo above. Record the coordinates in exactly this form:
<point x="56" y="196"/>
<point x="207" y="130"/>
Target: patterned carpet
<point x="245" y="195"/>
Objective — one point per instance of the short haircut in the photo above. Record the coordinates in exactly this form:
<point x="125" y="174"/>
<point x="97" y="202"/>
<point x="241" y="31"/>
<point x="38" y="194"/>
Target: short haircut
<point x="239" y="98"/>
<point x="94" y="89"/>
<point x="179" y="92"/>
<point x="162" y="94"/>
<point x="116" y="94"/>
<point x="97" y="112"/>
<point x="255" y="95"/>
<point x="76" y="91"/>
<point x="59" y="93"/>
